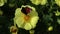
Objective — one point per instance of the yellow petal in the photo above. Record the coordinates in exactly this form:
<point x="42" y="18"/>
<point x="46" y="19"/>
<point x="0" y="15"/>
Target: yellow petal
<point x="18" y="12"/>
<point x="27" y="26"/>
<point x="34" y="21"/>
<point x="43" y="2"/>
<point x="19" y="21"/>
<point x="33" y="13"/>
<point x="34" y="17"/>
<point x="19" y="17"/>
<point x="37" y="2"/>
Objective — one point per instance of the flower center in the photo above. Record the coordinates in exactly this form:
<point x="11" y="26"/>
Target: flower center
<point x="27" y="17"/>
<point x="26" y="10"/>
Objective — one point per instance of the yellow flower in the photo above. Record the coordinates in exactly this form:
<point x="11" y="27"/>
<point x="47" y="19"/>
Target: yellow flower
<point x="1" y="2"/>
<point x="13" y="30"/>
<point x="26" y="21"/>
<point x="37" y="2"/>
<point x="57" y="2"/>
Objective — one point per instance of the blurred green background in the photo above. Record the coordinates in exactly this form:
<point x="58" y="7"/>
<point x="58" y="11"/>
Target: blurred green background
<point x="47" y="17"/>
